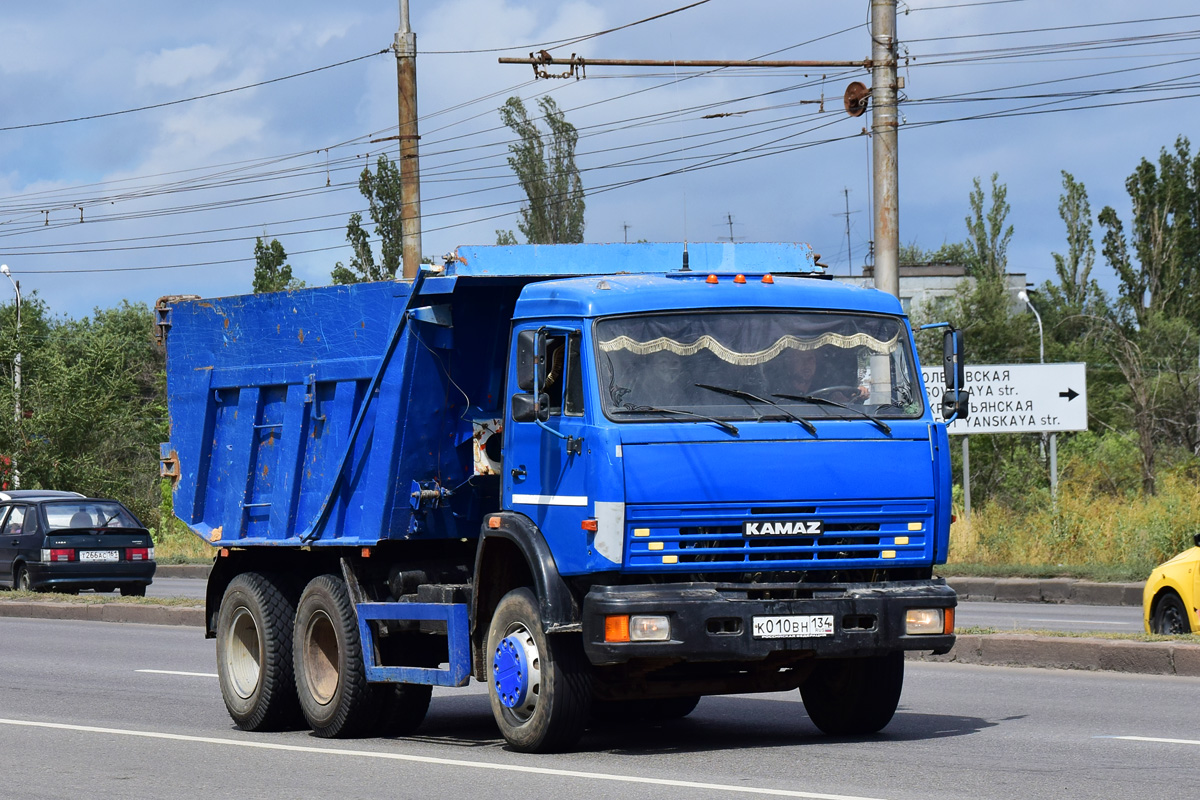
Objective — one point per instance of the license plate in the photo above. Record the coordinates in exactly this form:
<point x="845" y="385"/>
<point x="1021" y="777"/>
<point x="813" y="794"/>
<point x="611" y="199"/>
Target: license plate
<point x="793" y="627"/>
<point x="99" y="555"/>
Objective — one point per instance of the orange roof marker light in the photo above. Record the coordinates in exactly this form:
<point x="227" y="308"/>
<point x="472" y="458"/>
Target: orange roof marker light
<point x="711" y="279"/>
<point x="739" y="278"/>
<point x="768" y="278"/>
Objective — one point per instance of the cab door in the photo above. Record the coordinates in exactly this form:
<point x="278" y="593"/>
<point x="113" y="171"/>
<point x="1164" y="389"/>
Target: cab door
<point x="9" y="545"/>
<point x="546" y="465"/>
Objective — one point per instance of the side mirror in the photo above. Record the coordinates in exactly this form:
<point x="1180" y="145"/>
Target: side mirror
<point x="956" y="405"/>
<point x="953" y="363"/>
<point x="526" y="409"/>
<point x="531" y="353"/>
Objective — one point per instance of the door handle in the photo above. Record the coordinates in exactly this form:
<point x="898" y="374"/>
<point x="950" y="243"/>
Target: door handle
<point x="519" y="473"/>
<point x="16" y="542"/>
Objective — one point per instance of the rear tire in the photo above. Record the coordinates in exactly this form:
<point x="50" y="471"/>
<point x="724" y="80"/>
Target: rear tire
<point x="854" y="696"/>
<point x="133" y="591"/>
<point x="22" y="582"/>
<point x="1170" y="617"/>
<point x="254" y="654"/>
<point x="331" y="679"/>
<point x="544" y="694"/>
<point x="658" y="709"/>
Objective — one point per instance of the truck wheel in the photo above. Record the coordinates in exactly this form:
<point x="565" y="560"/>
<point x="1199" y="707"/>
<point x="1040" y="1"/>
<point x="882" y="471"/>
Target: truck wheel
<point x="254" y="654"/>
<point x="854" y="696"/>
<point x="539" y="686"/>
<point x="1170" y="617"/>
<point x="330" y="676"/>
<point x="403" y="708"/>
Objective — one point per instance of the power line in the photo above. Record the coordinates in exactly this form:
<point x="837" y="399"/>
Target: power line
<point x="191" y="99"/>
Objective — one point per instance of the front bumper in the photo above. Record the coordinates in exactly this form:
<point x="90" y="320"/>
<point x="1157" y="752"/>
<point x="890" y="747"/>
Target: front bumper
<point x="76" y="575"/>
<point x="712" y="622"/>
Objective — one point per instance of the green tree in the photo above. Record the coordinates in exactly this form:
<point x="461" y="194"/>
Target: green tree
<point x="382" y="191"/>
<point x="272" y="273"/>
<point x="545" y="168"/>
<point x="1164" y="236"/>
<point x="94" y="395"/>
<point x="1075" y="268"/>
<point x="987" y="236"/>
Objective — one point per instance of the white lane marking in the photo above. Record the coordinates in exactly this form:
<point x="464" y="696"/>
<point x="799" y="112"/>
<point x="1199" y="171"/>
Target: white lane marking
<point x="445" y="762"/>
<point x="173" y="672"/>
<point x="1084" y="621"/>
<point x="1151" y="739"/>
<point x="550" y="499"/>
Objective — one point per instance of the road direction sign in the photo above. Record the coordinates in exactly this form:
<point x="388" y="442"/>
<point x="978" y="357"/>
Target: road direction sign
<point x="1019" y="398"/>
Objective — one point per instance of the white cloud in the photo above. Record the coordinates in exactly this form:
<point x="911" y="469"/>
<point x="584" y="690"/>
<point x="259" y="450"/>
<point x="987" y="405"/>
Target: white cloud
<point x="178" y="66"/>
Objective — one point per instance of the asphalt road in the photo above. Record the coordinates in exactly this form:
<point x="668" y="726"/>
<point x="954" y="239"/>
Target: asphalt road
<point x="102" y="710"/>
<point x="1002" y="616"/>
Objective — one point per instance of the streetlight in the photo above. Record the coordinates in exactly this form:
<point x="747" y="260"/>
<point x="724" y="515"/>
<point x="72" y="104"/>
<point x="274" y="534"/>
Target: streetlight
<point x="16" y="370"/>
<point x="1023" y="296"/>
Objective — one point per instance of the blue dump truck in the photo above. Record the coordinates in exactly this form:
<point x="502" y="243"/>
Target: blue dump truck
<point x="606" y="480"/>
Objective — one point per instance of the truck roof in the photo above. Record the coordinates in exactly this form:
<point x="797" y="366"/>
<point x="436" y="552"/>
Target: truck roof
<point x="625" y="294"/>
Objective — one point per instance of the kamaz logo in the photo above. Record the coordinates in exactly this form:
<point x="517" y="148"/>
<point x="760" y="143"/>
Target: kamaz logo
<point x="800" y="527"/>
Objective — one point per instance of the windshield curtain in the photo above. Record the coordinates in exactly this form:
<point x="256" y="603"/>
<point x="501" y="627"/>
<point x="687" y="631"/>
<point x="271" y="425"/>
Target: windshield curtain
<point x="88" y="514"/>
<point x="655" y="361"/>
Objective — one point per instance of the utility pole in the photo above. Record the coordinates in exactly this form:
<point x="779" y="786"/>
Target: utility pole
<point x="410" y="172"/>
<point x="885" y="164"/>
<point x="884" y="120"/>
<point x="729" y="217"/>
<point x="625" y="225"/>
<point x="849" y="252"/>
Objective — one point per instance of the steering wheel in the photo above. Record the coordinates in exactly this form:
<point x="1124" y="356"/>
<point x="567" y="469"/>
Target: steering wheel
<point x="850" y="391"/>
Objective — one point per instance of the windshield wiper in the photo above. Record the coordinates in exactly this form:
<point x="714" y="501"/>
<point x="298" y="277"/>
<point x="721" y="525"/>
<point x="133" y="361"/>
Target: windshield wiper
<point x="630" y="408"/>
<point x="807" y="398"/>
<point x="743" y="395"/>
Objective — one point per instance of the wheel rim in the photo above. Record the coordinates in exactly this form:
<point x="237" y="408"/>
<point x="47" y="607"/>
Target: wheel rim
<point x="1172" y="619"/>
<point x="321" y="657"/>
<point x="23" y="580"/>
<point x="517" y="673"/>
<point x="243" y="653"/>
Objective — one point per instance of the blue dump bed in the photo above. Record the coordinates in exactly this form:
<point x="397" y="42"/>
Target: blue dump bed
<point x="311" y="417"/>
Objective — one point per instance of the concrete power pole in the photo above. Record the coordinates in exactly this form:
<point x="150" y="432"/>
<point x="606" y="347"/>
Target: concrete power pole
<point x="885" y="163"/>
<point x="410" y="172"/>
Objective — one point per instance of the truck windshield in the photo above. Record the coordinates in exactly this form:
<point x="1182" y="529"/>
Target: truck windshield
<point x="741" y="365"/>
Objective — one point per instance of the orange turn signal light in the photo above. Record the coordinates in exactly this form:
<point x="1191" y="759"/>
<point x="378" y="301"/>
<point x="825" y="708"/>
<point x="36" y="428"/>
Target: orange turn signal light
<point x="948" y="617"/>
<point x="711" y="279"/>
<point x="366" y="552"/>
<point x="590" y="525"/>
<point x="493" y="522"/>
<point x="616" y="628"/>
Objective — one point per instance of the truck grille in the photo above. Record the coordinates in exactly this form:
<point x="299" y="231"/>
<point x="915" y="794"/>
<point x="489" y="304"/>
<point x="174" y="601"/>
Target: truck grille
<point x="855" y="534"/>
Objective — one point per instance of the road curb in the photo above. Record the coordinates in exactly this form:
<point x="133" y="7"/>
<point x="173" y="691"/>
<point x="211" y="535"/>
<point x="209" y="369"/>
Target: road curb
<point x="183" y="571"/>
<point x="1047" y="590"/>
<point x="1064" y="652"/>
<point x="104" y="612"/>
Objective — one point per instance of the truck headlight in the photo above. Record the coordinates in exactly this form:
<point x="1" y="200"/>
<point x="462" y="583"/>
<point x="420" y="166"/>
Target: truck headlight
<point x="928" y="620"/>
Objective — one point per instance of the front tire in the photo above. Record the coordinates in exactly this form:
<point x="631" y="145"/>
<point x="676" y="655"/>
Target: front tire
<point x="539" y="686"/>
<point x="854" y="696"/>
<point x="254" y="654"/>
<point x="331" y="679"/>
<point x="1170" y="617"/>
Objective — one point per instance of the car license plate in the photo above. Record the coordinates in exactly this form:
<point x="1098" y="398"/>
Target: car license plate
<point x="793" y="627"/>
<point x="99" y="555"/>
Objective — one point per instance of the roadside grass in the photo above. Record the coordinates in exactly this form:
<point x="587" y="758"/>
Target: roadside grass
<point x="88" y="599"/>
<point x="1086" y="534"/>
<point x="1187" y="638"/>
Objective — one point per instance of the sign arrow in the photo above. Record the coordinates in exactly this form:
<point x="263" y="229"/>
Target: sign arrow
<point x="1070" y="394"/>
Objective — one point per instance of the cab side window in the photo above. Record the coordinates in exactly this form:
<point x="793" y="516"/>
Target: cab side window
<point x="573" y="402"/>
<point x="14" y="526"/>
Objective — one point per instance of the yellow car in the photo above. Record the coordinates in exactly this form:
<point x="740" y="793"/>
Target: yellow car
<point x="1172" y="593"/>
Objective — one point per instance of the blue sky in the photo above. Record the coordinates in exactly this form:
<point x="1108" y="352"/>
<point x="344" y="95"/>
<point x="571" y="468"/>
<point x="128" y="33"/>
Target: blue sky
<point x="193" y="183"/>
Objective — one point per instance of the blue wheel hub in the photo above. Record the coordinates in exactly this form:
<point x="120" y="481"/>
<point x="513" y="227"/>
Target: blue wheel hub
<point x="511" y="670"/>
